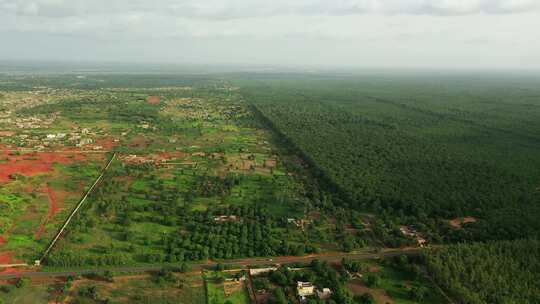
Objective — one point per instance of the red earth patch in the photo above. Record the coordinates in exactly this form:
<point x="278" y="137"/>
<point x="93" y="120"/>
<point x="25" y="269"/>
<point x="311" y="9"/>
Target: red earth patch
<point x="33" y="163"/>
<point x="153" y="100"/>
<point x="107" y="143"/>
<point x="11" y="270"/>
<point x="6" y="258"/>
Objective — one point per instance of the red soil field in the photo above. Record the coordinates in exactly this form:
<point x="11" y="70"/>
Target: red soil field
<point x="153" y="100"/>
<point x="6" y="258"/>
<point x="33" y="163"/>
<point x="2" y="241"/>
<point x="107" y="143"/>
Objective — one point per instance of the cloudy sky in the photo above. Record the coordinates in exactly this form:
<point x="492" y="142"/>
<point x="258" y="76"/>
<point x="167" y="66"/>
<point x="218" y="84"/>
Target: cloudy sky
<point x="356" y="33"/>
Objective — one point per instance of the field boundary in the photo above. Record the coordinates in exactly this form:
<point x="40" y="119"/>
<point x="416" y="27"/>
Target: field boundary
<point x="13" y="265"/>
<point x="55" y="151"/>
<point x="72" y="214"/>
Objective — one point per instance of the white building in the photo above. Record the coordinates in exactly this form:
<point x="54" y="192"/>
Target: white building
<point x="305" y="289"/>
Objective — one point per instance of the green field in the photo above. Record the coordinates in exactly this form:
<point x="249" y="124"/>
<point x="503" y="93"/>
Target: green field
<point x="223" y="288"/>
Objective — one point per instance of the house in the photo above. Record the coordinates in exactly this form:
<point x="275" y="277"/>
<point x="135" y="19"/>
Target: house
<point x="421" y="241"/>
<point x="237" y="279"/>
<point x="85" y="141"/>
<point x="225" y="218"/>
<point x="301" y="223"/>
<point x="305" y="289"/>
<point x="258" y="271"/>
<point x="324" y="294"/>
<point x="411" y="232"/>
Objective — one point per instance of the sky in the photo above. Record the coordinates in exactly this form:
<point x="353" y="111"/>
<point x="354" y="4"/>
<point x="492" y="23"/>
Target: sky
<point x="326" y="33"/>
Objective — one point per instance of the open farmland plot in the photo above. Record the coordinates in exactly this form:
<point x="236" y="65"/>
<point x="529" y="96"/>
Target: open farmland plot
<point x="159" y="288"/>
<point x="224" y="288"/>
<point x="143" y="288"/>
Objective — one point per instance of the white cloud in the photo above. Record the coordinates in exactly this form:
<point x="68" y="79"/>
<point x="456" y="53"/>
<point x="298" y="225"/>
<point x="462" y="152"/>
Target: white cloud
<point x="230" y="9"/>
<point x="384" y="32"/>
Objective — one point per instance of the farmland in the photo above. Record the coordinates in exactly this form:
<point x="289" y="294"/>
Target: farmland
<point x="226" y="286"/>
<point x="116" y="288"/>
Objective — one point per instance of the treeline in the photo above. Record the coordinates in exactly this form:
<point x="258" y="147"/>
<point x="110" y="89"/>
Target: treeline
<point x="493" y="272"/>
<point x="103" y="81"/>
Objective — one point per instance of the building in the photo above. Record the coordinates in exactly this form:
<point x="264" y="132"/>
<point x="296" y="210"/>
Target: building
<point x="225" y="218"/>
<point x="258" y="271"/>
<point x="305" y="289"/>
<point x="411" y="232"/>
<point x="324" y="294"/>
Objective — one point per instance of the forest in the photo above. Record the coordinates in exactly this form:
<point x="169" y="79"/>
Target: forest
<point x="423" y="150"/>
<point x="492" y="272"/>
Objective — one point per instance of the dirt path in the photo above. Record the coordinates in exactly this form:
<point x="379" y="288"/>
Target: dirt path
<point x="54" y="208"/>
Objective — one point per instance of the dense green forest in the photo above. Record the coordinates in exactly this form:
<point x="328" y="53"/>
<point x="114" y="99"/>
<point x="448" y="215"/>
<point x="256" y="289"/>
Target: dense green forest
<point x="493" y="272"/>
<point x="423" y="149"/>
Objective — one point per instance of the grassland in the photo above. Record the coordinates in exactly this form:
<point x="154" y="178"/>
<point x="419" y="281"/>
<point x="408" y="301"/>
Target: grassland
<point x="136" y="288"/>
<point x="226" y="287"/>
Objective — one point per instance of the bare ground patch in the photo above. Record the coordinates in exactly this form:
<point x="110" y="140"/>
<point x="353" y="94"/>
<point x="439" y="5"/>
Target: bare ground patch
<point x="460" y="221"/>
<point x="357" y="287"/>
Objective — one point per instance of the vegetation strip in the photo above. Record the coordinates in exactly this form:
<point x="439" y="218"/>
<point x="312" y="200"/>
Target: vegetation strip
<point x="68" y="220"/>
<point x="241" y="264"/>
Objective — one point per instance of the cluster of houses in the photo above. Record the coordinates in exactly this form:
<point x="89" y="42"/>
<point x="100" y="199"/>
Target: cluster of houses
<point x="300" y="223"/>
<point x="30" y="122"/>
<point x="78" y="138"/>
<point x="305" y="290"/>
<point x="20" y="100"/>
<point x="4" y="114"/>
